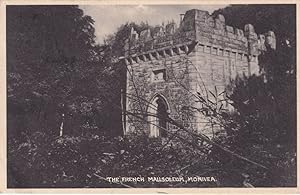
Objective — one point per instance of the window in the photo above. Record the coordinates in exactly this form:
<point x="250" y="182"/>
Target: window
<point x="158" y="113"/>
<point x="159" y="75"/>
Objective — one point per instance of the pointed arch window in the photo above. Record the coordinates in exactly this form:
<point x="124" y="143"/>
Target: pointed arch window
<point x="158" y="113"/>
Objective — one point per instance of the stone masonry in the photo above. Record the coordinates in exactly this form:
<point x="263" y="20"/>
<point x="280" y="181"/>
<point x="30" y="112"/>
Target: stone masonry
<point x="173" y="64"/>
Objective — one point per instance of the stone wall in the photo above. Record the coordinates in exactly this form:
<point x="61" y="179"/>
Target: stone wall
<point x="143" y="83"/>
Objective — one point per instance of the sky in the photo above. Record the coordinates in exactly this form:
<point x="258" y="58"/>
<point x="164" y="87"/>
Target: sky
<point x="109" y="17"/>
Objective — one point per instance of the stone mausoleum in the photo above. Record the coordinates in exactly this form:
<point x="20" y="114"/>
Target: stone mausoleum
<point x="168" y="65"/>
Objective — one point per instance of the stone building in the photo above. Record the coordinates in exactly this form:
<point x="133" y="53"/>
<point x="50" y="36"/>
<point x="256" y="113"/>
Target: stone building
<point x="167" y="66"/>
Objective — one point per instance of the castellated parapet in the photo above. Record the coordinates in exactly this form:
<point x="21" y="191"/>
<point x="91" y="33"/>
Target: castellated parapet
<point x="168" y="65"/>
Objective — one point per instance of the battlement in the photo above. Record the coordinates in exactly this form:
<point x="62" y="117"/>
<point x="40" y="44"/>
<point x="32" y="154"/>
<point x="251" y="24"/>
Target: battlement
<point x="200" y="27"/>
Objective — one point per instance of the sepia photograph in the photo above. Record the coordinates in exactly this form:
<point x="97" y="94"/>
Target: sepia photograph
<point x="151" y="96"/>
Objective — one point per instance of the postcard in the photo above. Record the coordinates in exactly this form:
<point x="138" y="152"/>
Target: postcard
<point x="150" y="97"/>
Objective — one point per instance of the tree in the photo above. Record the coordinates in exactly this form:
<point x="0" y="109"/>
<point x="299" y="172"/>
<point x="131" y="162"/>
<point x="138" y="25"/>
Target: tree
<point x="52" y="64"/>
<point x="114" y="91"/>
<point x="264" y="124"/>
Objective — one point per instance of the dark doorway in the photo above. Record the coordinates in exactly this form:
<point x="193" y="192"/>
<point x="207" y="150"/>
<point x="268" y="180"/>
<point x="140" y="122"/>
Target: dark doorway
<point x="162" y="115"/>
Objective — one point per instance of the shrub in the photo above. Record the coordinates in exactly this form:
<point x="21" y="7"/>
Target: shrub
<point x="78" y="161"/>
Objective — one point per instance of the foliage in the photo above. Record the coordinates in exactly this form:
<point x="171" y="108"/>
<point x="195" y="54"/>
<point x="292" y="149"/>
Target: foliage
<point x="117" y="40"/>
<point x="78" y="161"/>
<point x="114" y="92"/>
<point x="54" y="68"/>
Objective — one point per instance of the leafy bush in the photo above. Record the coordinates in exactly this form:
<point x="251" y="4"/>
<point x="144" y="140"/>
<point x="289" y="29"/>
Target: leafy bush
<point x="85" y="161"/>
<point x="262" y="128"/>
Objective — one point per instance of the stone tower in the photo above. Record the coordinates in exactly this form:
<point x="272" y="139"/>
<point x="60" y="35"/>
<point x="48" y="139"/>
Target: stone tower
<point x="167" y="66"/>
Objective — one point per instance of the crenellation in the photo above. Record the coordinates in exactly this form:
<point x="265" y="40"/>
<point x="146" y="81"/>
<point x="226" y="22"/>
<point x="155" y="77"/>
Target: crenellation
<point x="145" y="35"/>
<point x="261" y="42"/>
<point x="239" y="33"/>
<point x="250" y="31"/>
<point x="171" y="28"/>
<point x="134" y="35"/>
<point x="220" y="18"/>
<point x="199" y="26"/>
<point x="201" y="15"/>
<point x="271" y="39"/>
<point x="229" y="29"/>
<point x="158" y="31"/>
<point x="211" y="22"/>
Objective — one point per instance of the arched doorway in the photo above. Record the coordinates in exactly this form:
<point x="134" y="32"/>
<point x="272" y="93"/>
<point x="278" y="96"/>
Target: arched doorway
<point x="158" y="111"/>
